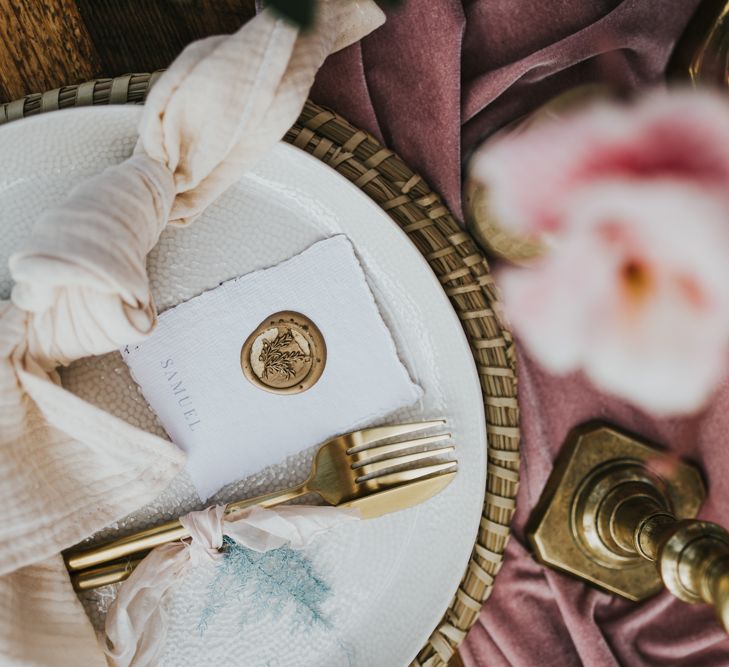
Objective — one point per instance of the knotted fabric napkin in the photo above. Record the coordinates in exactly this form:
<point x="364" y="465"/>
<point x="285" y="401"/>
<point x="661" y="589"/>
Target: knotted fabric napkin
<point x="136" y="624"/>
<point x="68" y="469"/>
<point x="222" y="104"/>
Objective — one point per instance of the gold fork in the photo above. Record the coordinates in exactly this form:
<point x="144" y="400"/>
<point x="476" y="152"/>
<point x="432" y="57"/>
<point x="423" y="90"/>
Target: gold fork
<point x="351" y="470"/>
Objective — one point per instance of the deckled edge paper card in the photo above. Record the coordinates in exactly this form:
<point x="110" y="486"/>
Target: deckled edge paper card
<point x="189" y="369"/>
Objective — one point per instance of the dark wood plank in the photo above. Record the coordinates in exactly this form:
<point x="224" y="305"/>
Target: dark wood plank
<point x="44" y="44"/>
<point x="145" y="35"/>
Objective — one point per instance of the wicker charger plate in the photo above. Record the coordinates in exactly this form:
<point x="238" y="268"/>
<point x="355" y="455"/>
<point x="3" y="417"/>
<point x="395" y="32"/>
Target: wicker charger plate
<point x="462" y="270"/>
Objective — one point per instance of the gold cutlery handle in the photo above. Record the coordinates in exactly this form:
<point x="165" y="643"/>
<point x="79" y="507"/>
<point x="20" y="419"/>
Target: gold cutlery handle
<point x="104" y="575"/>
<point x="170" y="531"/>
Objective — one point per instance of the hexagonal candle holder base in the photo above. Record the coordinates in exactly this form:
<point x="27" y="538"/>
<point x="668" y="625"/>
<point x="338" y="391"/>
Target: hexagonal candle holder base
<point x="594" y="460"/>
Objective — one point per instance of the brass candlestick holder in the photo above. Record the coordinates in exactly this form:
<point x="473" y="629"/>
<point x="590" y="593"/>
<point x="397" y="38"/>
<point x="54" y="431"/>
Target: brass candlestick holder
<point x="702" y="53"/>
<point x="609" y="516"/>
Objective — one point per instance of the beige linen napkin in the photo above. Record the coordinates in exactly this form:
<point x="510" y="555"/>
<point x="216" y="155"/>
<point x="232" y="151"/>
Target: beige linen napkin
<point x="68" y="469"/>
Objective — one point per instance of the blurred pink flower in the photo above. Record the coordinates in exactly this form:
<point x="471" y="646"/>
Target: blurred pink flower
<point x="634" y="290"/>
<point x="683" y="136"/>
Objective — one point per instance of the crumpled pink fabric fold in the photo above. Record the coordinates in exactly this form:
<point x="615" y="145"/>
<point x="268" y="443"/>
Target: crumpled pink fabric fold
<point x="67" y="469"/>
<point x="136" y="623"/>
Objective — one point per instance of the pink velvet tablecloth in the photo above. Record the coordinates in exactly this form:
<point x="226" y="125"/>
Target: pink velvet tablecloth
<point x="431" y="84"/>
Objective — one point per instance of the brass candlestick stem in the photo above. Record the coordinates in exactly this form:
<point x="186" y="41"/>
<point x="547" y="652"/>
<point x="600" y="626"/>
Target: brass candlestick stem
<point x="608" y="517"/>
<point x="702" y="52"/>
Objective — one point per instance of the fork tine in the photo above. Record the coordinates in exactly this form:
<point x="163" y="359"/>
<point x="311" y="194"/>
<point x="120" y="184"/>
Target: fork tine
<point x="369" y="436"/>
<point x="369" y="468"/>
<point x="364" y="455"/>
<point x="401" y="476"/>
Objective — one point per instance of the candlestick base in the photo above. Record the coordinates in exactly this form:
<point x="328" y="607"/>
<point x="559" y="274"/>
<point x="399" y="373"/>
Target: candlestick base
<point x="603" y="482"/>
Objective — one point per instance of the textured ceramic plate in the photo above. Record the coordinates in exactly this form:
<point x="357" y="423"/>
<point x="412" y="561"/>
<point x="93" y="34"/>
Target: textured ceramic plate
<point x="369" y="593"/>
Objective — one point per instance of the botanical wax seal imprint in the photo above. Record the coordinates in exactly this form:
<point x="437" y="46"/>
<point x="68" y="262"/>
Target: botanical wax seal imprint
<point x="285" y="354"/>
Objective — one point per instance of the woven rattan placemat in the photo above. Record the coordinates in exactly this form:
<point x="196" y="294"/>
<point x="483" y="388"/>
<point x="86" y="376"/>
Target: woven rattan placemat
<point x="462" y="270"/>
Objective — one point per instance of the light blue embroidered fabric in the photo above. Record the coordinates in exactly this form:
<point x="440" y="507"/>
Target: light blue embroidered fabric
<point x="264" y="585"/>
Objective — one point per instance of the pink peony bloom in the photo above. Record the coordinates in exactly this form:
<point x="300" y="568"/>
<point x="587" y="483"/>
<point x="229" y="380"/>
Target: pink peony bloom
<point x="634" y="291"/>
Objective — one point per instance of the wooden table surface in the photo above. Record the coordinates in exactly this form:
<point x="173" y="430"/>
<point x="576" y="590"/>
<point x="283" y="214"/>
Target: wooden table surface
<point x="45" y="44"/>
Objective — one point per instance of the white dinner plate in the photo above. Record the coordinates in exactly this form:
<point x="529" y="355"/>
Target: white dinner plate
<point x="366" y="594"/>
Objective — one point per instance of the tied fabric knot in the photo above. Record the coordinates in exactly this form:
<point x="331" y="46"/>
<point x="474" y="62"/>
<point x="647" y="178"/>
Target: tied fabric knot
<point x="67" y="469"/>
<point x="82" y="275"/>
<point x="136" y="624"/>
<point x="206" y="534"/>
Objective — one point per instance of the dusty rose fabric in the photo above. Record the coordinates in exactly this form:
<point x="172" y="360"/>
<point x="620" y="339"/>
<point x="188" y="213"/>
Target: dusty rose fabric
<point x="441" y="74"/>
<point x="534" y="611"/>
<point x="431" y="83"/>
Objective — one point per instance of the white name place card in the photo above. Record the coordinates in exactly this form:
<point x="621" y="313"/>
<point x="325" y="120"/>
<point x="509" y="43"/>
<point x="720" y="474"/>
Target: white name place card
<point x="189" y="369"/>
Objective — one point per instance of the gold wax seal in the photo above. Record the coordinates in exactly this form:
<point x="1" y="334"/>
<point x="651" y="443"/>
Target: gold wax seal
<point x="286" y="354"/>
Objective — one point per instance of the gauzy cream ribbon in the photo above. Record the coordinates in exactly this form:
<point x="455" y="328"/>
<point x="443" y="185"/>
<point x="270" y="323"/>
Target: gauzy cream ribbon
<point x="136" y="624"/>
<point x="68" y="469"/>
